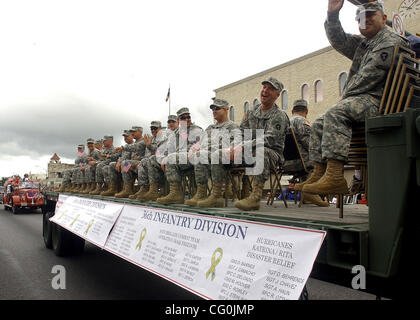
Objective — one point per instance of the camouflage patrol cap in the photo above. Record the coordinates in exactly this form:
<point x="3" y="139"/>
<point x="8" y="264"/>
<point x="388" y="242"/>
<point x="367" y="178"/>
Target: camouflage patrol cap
<point x="136" y="128"/>
<point x="275" y="83"/>
<point x="90" y="140"/>
<point x="108" y="137"/>
<point x="99" y="141"/>
<point x="301" y="102"/>
<point x="126" y="133"/>
<point x="172" y="117"/>
<point x="182" y="111"/>
<point x="155" y="123"/>
<point x="369" y="7"/>
<point x="220" y="103"/>
<point x="81" y="146"/>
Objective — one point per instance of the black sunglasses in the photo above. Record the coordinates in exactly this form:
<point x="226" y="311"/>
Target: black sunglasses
<point x="185" y="117"/>
<point x="215" y="108"/>
<point x="153" y="128"/>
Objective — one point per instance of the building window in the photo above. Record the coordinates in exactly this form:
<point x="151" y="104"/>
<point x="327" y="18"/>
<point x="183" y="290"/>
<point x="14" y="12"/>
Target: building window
<point x="342" y="78"/>
<point x="318" y="91"/>
<point x="246" y="107"/>
<point x="284" y="100"/>
<point x="305" y="92"/>
<point x="232" y="113"/>
<point x="256" y="103"/>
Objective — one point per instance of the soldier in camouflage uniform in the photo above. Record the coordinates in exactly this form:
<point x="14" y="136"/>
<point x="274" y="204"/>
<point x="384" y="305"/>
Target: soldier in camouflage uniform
<point x="372" y="57"/>
<point x="268" y="117"/>
<point x="156" y="175"/>
<point x="68" y="179"/>
<point x="99" y="144"/>
<point x="106" y="153"/>
<point x="114" y="169"/>
<point x="77" y="176"/>
<point x="93" y="156"/>
<point x="214" y="146"/>
<point x="142" y="171"/>
<point x="137" y="150"/>
<point x="184" y="137"/>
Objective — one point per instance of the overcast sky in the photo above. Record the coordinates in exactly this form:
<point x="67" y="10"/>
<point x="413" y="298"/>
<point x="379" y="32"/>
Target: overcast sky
<point x="70" y="70"/>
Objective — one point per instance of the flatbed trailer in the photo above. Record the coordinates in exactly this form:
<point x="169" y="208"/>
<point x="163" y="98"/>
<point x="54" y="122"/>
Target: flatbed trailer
<point x="382" y="237"/>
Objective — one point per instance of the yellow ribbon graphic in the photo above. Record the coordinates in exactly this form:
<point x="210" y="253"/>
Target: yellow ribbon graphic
<point x="214" y="263"/>
<point x="71" y="224"/>
<point x="142" y="236"/>
<point x="90" y="225"/>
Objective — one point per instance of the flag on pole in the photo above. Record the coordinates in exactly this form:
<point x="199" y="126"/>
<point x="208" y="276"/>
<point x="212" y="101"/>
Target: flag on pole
<point x="168" y="95"/>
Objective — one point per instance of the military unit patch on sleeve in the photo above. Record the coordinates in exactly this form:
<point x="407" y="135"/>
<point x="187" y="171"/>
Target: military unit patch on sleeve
<point x="384" y="56"/>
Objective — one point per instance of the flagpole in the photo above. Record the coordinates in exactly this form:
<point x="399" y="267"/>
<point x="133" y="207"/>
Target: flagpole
<point x="169" y="99"/>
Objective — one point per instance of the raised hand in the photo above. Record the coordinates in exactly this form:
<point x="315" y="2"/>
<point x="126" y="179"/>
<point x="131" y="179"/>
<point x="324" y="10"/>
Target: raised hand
<point x="335" y="6"/>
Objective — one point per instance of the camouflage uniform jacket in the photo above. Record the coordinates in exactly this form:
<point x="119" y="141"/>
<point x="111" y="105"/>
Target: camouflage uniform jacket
<point x="371" y="58"/>
<point x="302" y="129"/>
<point x="228" y="127"/>
<point x="151" y="150"/>
<point x="275" y="123"/>
<point x="137" y="149"/>
<point x="107" y="151"/>
<point x="125" y="154"/>
<point x="95" y="154"/>
<point x="183" y="138"/>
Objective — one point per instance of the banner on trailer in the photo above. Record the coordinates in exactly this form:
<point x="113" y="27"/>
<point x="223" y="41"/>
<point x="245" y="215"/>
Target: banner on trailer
<point x="88" y="218"/>
<point x="217" y="258"/>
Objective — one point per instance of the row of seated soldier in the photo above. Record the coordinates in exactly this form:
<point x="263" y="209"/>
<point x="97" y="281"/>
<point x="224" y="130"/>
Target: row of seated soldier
<point x="170" y="161"/>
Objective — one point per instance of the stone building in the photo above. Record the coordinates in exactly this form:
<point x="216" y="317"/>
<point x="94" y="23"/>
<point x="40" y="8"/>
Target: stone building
<point x="317" y="77"/>
<point x="55" y="170"/>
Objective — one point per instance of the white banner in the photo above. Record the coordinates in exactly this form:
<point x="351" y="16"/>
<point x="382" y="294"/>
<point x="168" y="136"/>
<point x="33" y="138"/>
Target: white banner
<point x="217" y="258"/>
<point x="88" y="218"/>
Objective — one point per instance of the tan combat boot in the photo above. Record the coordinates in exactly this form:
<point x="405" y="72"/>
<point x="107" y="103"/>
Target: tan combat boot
<point x="201" y="194"/>
<point x="69" y="187"/>
<point x="317" y="173"/>
<point x="175" y="196"/>
<point x="77" y="188"/>
<point x="152" y="194"/>
<point x="63" y="187"/>
<point x="141" y="191"/>
<point x="97" y="190"/>
<point x="83" y="188"/>
<point x="127" y="190"/>
<point x="111" y="191"/>
<point x="332" y="182"/>
<point x="254" y="200"/>
<point x="314" y="199"/>
<point x="215" y="200"/>
<point x="92" y="186"/>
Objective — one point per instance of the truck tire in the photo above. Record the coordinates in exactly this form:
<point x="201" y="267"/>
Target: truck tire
<point x="47" y="229"/>
<point x="62" y="241"/>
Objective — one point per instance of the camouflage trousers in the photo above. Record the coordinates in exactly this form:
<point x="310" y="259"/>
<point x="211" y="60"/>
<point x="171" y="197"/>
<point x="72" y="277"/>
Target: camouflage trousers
<point x="90" y="174"/>
<point x="78" y="176"/>
<point x="100" y="171"/>
<point x="331" y="133"/>
<point x="155" y="173"/>
<point x="111" y="174"/>
<point x="143" y="172"/>
<point x="131" y="175"/>
<point x="260" y="174"/>
<point x="67" y="175"/>
<point x="173" y="172"/>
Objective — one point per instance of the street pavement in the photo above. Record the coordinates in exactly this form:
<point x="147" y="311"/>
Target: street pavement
<point x="26" y="271"/>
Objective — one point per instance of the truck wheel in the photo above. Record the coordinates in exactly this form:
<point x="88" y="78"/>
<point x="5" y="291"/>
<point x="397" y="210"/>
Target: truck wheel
<point x="47" y="229"/>
<point x="61" y="240"/>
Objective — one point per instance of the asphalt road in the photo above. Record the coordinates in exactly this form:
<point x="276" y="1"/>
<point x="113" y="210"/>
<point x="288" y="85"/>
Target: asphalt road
<point x="26" y="271"/>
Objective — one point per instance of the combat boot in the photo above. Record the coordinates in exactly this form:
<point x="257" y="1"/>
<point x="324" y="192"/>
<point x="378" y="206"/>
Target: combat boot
<point x="314" y="199"/>
<point x="92" y="186"/>
<point x="317" y="173"/>
<point x="139" y="195"/>
<point x="200" y="194"/>
<point x="254" y="200"/>
<point x="83" y="188"/>
<point x="228" y="191"/>
<point x="77" y="188"/>
<point x="215" y="200"/>
<point x="111" y="191"/>
<point x="72" y="187"/>
<point x="126" y="192"/>
<point x="175" y="196"/>
<point x="152" y="194"/>
<point x="69" y="187"/>
<point x="97" y="190"/>
<point x="332" y="182"/>
<point x="63" y="187"/>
